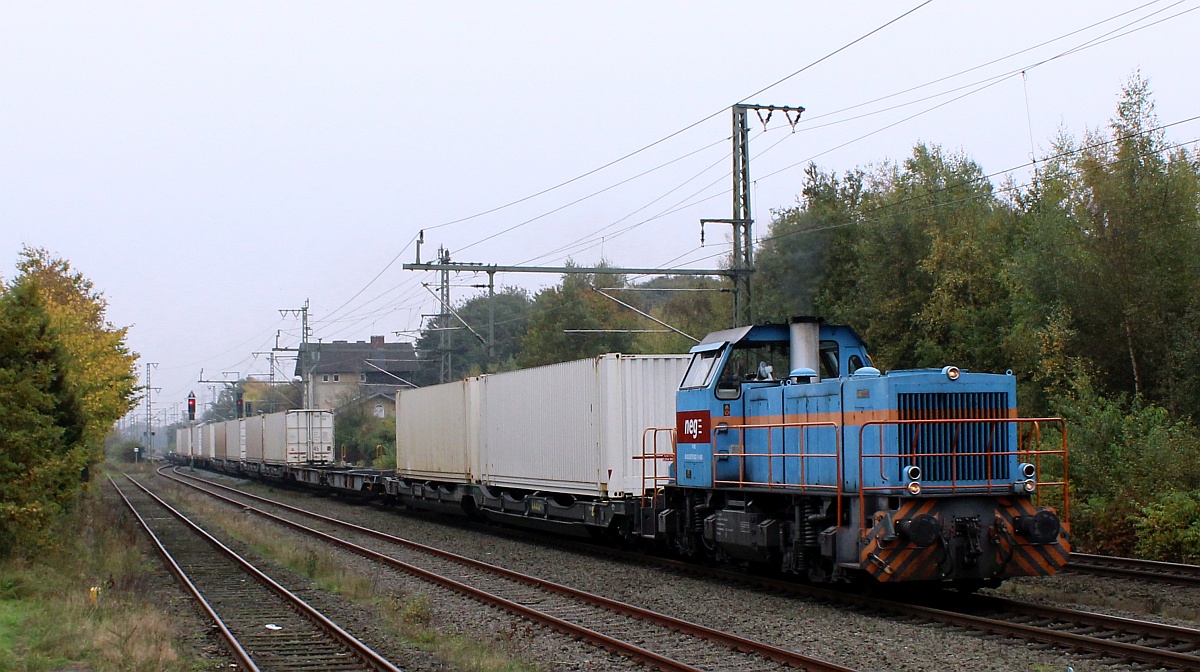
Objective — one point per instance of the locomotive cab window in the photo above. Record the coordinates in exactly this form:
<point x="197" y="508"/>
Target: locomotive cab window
<point x="829" y="359"/>
<point x="700" y="371"/>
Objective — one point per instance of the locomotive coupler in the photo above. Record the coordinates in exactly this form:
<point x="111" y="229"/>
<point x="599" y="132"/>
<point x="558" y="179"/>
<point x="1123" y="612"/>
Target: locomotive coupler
<point x="968" y="529"/>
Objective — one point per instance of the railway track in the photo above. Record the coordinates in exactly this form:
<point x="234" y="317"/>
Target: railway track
<point x="1132" y="568"/>
<point x="655" y="639"/>
<point x="1120" y="639"/>
<point x="266" y="626"/>
<point x="1147" y="643"/>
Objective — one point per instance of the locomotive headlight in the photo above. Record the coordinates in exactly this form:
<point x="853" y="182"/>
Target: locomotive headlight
<point x="951" y="372"/>
<point x="912" y="472"/>
<point x="1027" y="470"/>
<point x="1025" y="487"/>
<point x="914" y="488"/>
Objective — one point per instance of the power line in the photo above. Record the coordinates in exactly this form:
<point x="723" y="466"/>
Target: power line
<point x="877" y="210"/>
<point x="589" y="241"/>
<point x="589" y="244"/>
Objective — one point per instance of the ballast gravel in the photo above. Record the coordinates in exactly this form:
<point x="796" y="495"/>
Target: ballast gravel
<point x="834" y="633"/>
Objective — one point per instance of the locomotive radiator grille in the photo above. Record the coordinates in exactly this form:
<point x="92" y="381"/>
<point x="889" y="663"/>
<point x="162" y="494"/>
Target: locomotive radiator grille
<point x="956" y="451"/>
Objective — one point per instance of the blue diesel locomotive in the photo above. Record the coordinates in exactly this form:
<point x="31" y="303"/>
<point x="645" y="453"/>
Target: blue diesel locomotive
<point x="837" y="471"/>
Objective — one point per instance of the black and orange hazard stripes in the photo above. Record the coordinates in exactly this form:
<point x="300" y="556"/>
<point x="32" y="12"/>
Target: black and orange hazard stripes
<point x="1018" y="556"/>
<point x="984" y="533"/>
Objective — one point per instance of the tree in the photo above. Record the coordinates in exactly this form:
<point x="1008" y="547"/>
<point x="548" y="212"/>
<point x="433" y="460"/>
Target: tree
<point x="469" y="355"/>
<point x="224" y="407"/>
<point x="1109" y="237"/>
<point x="802" y="243"/>
<point x="569" y="321"/>
<point x="920" y="274"/>
<point x="358" y="435"/>
<point x="100" y="367"/>
<point x="694" y="305"/>
<point x="265" y="397"/>
<point x="42" y="421"/>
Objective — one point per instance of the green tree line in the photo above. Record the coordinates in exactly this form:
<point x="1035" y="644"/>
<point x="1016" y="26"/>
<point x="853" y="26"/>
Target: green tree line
<point x="66" y="376"/>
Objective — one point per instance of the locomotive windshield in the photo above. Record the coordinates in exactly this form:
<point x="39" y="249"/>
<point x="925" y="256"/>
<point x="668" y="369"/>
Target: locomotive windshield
<point x="700" y="371"/>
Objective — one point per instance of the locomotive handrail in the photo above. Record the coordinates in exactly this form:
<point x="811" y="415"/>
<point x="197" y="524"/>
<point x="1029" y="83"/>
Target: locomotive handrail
<point x="802" y="456"/>
<point x="655" y="457"/>
<point x="1023" y="450"/>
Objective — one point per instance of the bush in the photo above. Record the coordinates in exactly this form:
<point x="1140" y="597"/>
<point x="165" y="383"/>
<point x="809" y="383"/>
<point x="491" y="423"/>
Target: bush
<point x="1123" y="456"/>
<point x="1168" y="528"/>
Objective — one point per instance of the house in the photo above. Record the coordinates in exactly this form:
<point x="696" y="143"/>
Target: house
<point x="377" y="404"/>
<point x="341" y="372"/>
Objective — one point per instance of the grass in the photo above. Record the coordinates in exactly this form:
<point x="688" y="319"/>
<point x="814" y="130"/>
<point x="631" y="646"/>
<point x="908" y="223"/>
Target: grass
<point x="49" y="620"/>
<point x="408" y="618"/>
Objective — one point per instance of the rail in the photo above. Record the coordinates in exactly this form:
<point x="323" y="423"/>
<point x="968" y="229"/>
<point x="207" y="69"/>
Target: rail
<point x="535" y="611"/>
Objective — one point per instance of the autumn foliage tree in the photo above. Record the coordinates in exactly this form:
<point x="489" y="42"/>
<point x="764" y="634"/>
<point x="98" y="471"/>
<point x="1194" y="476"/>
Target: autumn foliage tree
<point x="66" y="376"/>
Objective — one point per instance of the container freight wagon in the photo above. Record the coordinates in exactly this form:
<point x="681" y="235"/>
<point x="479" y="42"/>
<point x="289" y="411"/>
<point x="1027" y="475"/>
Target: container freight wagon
<point x="437" y="432"/>
<point x="298" y="437"/>
<point x="576" y="427"/>
<point x="220" y="441"/>
<point x="208" y="441"/>
<point x="183" y="441"/>
<point x="235" y="440"/>
<point x="254" y="438"/>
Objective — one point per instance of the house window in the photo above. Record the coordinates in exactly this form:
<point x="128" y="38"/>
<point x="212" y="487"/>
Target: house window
<point x="379" y="412"/>
<point x="362" y="377"/>
<point x="325" y="378"/>
<point x="337" y="377"/>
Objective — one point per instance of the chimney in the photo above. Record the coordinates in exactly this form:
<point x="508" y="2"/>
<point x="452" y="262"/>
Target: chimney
<point x="377" y="341"/>
<point x="805" y="335"/>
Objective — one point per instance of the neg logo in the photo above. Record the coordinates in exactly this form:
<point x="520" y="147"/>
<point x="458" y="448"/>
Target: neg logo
<point x="693" y="427"/>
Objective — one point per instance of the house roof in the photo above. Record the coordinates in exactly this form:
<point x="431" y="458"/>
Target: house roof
<point x="358" y="357"/>
<point x="380" y="394"/>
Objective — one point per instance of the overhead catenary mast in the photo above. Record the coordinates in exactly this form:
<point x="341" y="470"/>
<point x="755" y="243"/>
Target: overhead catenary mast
<point x="740" y="271"/>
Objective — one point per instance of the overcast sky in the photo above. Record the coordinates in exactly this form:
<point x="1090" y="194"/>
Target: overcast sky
<point x="207" y="164"/>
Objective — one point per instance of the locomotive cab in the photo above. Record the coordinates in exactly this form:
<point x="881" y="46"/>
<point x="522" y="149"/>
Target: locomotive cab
<point x="794" y="452"/>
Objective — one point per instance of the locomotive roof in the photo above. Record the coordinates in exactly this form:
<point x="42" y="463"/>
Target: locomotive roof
<point x="762" y="334"/>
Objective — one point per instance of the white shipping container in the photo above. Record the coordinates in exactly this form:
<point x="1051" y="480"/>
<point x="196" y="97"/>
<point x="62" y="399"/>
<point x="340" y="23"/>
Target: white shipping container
<point x="298" y="437"/>
<point x="208" y="441"/>
<point x="183" y="441"/>
<point x="437" y="432"/>
<point x="235" y="440"/>
<point x="576" y="427"/>
<point x="220" y="439"/>
<point x="254" y="438"/>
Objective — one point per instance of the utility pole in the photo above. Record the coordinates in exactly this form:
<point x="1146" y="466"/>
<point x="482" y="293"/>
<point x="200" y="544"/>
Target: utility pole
<point x="444" y="371"/>
<point x="224" y="380"/>
<point x="303" y="355"/>
<point x="150" y="390"/>
<point x="743" y="218"/>
<point x="739" y="272"/>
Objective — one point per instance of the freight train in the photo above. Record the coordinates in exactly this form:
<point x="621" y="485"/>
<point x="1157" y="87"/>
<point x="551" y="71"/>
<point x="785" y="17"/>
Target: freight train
<point x="774" y="446"/>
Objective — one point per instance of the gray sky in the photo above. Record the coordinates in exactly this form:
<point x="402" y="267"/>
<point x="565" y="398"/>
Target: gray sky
<point x="207" y="164"/>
